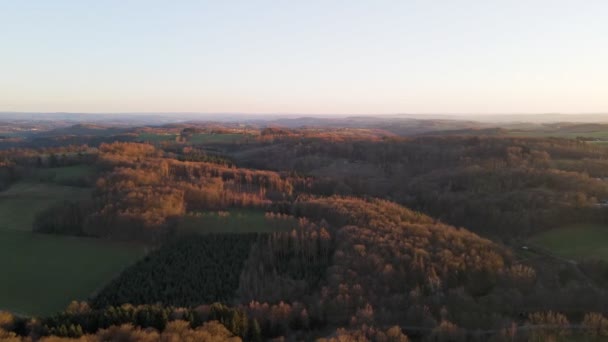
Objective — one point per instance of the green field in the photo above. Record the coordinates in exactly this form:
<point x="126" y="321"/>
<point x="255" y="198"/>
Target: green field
<point x="156" y="137"/>
<point x="63" y="174"/>
<point x="213" y="138"/>
<point x="600" y="143"/>
<point x="43" y="273"/>
<point x="237" y="221"/>
<point x="582" y="241"/>
<point x="20" y="202"/>
<point x="603" y="135"/>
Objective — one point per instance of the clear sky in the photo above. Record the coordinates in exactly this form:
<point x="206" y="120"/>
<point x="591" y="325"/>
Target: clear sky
<point x="326" y="56"/>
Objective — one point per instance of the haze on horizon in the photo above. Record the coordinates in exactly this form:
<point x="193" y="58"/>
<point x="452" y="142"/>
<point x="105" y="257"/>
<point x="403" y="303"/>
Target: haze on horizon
<point x="315" y="57"/>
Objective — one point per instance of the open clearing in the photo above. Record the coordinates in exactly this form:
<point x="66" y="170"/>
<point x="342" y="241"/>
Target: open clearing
<point x="236" y="221"/>
<point x="599" y="134"/>
<point x="43" y="273"/>
<point x="156" y="137"/>
<point x="213" y="138"/>
<point x="581" y="241"/>
<point x="21" y="202"/>
<point x="63" y="174"/>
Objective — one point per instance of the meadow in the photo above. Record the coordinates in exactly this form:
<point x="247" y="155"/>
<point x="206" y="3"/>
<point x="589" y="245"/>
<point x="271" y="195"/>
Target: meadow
<point x="43" y="273"/>
<point x="213" y="138"/>
<point x="234" y="221"/>
<point x="22" y="201"/>
<point x="602" y="143"/>
<point x="577" y="242"/>
<point x="197" y="138"/>
<point x="156" y="137"/>
<point x="600" y="134"/>
<point x="63" y="175"/>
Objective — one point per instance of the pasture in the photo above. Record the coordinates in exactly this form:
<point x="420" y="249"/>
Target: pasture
<point x="603" y="143"/>
<point x="577" y="242"/>
<point x="600" y="134"/>
<point x="234" y="221"/>
<point x="156" y="137"/>
<point x="64" y="174"/>
<point x="217" y="138"/>
<point x="43" y="273"/>
<point x="22" y="201"/>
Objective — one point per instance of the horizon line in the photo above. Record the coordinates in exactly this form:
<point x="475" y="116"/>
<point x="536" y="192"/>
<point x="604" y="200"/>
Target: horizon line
<point x="298" y="113"/>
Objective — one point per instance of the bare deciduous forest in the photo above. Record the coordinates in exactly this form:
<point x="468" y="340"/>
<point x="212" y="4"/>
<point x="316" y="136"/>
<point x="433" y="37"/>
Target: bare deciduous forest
<point x="335" y="234"/>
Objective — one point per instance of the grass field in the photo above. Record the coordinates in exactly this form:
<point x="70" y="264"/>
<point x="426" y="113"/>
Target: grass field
<point x="41" y="273"/>
<point x="600" y="143"/>
<point x="20" y="202"/>
<point x="237" y="221"/>
<point x="212" y="138"/>
<point x="569" y="135"/>
<point x="576" y="242"/>
<point x="63" y="174"/>
<point x="156" y="137"/>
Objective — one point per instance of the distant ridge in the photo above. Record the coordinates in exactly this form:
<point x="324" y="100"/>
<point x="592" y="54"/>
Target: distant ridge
<point x="140" y="118"/>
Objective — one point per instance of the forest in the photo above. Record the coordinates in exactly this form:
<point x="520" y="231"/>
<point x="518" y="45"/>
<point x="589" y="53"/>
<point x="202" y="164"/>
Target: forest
<point x="311" y="233"/>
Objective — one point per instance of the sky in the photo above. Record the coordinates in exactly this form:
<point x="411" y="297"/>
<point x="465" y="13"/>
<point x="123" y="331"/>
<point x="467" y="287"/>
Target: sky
<point x="308" y="57"/>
